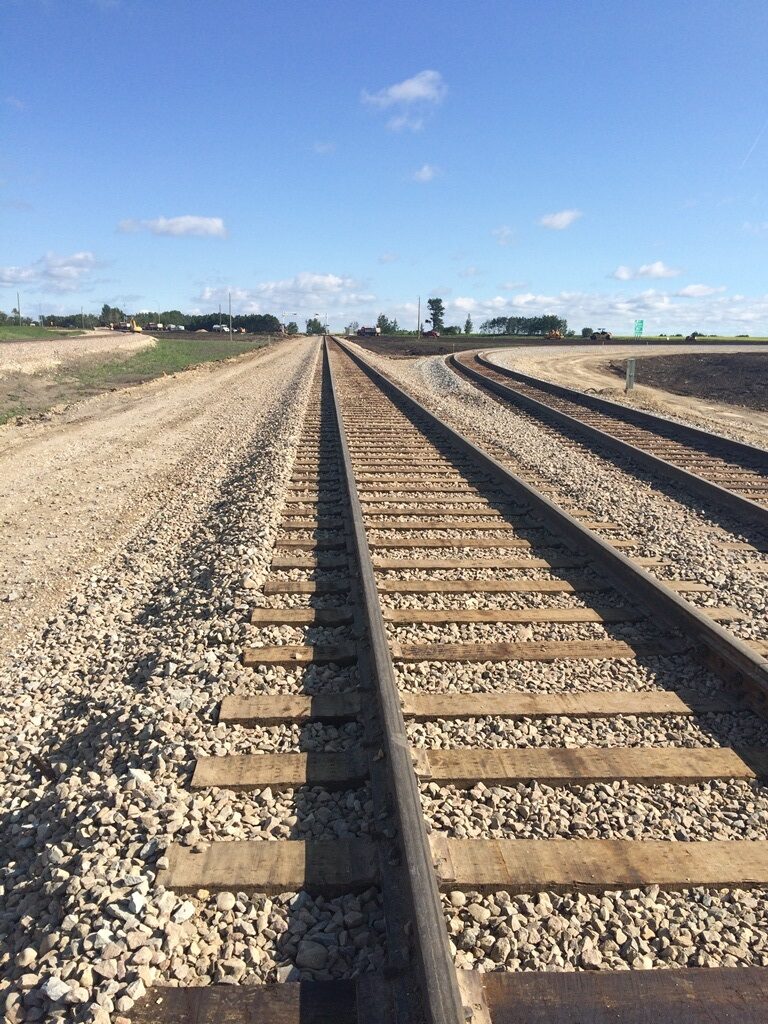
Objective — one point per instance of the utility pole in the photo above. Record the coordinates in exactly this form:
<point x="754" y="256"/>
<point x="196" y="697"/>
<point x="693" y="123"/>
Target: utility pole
<point x="18" y="310"/>
<point x="82" y="320"/>
<point x="230" y="315"/>
<point x="418" y="320"/>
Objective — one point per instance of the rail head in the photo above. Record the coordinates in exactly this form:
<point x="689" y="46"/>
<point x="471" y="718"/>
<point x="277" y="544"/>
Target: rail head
<point x="750" y="511"/>
<point x="728" y="655"/>
<point x="628" y="413"/>
<point x="442" y="997"/>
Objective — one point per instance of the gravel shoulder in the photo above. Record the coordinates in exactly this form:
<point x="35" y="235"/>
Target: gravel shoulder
<point x="75" y="489"/>
<point x="575" y="368"/>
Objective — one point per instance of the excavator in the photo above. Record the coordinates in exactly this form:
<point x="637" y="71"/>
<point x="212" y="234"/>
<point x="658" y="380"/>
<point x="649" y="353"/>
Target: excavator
<point x="555" y="336"/>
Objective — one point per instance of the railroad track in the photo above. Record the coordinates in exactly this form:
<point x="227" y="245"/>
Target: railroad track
<point x="496" y="655"/>
<point x="730" y="474"/>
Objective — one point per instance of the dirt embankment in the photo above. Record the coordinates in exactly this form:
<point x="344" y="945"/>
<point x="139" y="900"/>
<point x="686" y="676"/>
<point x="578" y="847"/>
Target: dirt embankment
<point x="34" y="355"/>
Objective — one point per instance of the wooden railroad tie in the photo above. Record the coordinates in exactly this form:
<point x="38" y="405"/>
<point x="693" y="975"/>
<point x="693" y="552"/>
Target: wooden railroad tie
<point x="465" y="766"/>
<point x="269" y="709"/>
<point x="485" y="865"/>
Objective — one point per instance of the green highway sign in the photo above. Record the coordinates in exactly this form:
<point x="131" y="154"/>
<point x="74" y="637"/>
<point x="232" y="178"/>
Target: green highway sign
<point x="639" y="325"/>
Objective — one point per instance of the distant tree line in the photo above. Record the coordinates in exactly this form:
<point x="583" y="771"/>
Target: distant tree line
<point x="524" y="325"/>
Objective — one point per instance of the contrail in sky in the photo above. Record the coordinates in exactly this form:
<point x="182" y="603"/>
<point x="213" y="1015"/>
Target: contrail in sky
<point x="752" y="147"/>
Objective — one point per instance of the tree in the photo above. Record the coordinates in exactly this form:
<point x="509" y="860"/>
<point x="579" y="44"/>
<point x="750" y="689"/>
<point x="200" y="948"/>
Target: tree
<point x="437" y="309"/>
<point x="453" y="329"/>
<point x="468" y="325"/>
<point x="587" y="332"/>
<point x="352" y="328"/>
<point x="314" y="326"/>
<point x="111" y="315"/>
<point x="386" y="326"/>
<point x="292" y="328"/>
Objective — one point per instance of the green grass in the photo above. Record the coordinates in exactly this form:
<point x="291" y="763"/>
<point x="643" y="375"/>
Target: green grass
<point x="10" y="332"/>
<point x="169" y="355"/>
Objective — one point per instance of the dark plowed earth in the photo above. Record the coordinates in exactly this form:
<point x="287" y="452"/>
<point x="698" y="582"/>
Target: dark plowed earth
<point x="738" y="379"/>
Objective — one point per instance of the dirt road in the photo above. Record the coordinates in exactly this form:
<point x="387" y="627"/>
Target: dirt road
<point x="575" y="368"/>
<point x="71" y="491"/>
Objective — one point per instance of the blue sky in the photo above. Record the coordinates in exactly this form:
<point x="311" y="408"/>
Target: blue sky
<point x="598" y="160"/>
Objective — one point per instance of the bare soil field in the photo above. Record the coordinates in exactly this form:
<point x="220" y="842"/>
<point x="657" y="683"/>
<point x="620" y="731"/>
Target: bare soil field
<point x="735" y="378"/>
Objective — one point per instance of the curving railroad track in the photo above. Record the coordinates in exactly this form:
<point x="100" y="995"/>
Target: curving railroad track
<point x="730" y="475"/>
<point x="499" y="659"/>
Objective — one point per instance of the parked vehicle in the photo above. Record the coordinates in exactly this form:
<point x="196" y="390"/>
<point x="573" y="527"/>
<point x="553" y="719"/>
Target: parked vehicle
<point x="366" y="332"/>
<point x="431" y="334"/>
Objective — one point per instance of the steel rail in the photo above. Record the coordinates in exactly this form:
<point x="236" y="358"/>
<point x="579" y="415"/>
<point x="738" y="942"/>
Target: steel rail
<point x="442" y="1001"/>
<point x="728" y="655"/>
<point x="638" y="417"/>
<point x="745" y="507"/>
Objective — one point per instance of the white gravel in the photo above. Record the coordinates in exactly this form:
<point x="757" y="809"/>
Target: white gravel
<point x="637" y="928"/>
<point x="672" y="529"/>
<point x="105" y="710"/>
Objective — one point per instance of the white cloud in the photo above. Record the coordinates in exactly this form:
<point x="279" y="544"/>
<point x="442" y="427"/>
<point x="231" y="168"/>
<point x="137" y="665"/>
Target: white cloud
<point x="756" y="228"/>
<point x="657" y="269"/>
<point x="425" y="87"/>
<point x="560" y="220"/>
<point x="307" y="293"/>
<point x="427" y="172"/>
<point x="211" y="227"/>
<point x="663" y="312"/>
<point x="503" y="235"/>
<point x="52" y="272"/>
<point x="698" y="291"/>
<point x="509" y="286"/>
<point x="405" y="122"/>
<point x="389" y="257"/>
<point x="323" y="148"/>
<point x="471" y="271"/>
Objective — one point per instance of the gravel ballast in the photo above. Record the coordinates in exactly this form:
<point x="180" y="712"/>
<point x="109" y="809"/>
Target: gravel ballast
<point x="106" y="709"/>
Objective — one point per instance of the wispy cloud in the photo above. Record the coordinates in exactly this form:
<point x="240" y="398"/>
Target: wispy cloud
<point x="389" y="257"/>
<point x="503" y="235"/>
<point x="698" y="291"/>
<point x="323" y="148"/>
<point x="14" y="102"/>
<point x="307" y="293"/>
<point x="425" y="87"/>
<point x="756" y="227"/>
<point x="405" y="123"/>
<point x="657" y="269"/>
<point x="410" y="100"/>
<point x="561" y="220"/>
<point x="427" y="172"/>
<point x="52" y="272"/>
<point x="178" y="227"/>
<point x="470" y="271"/>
